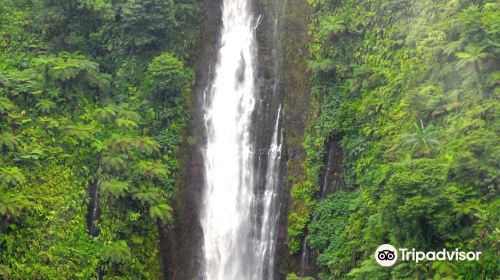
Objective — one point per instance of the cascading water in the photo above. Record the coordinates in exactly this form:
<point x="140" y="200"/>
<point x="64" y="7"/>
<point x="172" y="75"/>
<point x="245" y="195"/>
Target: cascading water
<point x="238" y="221"/>
<point x="266" y="241"/>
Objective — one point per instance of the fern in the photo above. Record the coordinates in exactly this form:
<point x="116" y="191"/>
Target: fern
<point x="5" y="105"/>
<point x="472" y="57"/>
<point x="146" y="144"/>
<point x="45" y="105"/>
<point x="12" y="205"/>
<point x="12" y="176"/>
<point x="114" y="162"/>
<point x="151" y="169"/>
<point x="147" y="194"/>
<point x="80" y="131"/>
<point x="161" y="211"/>
<point x="119" y="142"/>
<point x="117" y="252"/>
<point x="105" y="114"/>
<point x="126" y="123"/>
<point x="114" y="188"/>
<point x="9" y="141"/>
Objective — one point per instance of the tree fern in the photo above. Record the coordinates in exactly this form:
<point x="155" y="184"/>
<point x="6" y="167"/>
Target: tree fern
<point x="124" y="123"/>
<point x="146" y="144"/>
<point x="114" y="162"/>
<point x="161" y="211"/>
<point x="45" y="105"/>
<point x="12" y="176"/>
<point x="12" y="205"/>
<point x="151" y="169"/>
<point x="119" y="142"/>
<point x="472" y="58"/>
<point x="105" y="114"/>
<point x="9" y="141"/>
<point x="147" y="194"/>
<point x="117" y="252"/>
<point x="114" y="188"/>
<point x="5" y="105"/>
<point x="80" y="131"/>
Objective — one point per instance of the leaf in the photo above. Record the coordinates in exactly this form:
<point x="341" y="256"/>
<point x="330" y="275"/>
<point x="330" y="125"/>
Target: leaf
<point x="5" y="105"/>
<point x="80" y="131"/>
<point x="117" y="252"/>
<point x="12" y="204"/>
<point x="151" y="169"/>
<point x="12" y="176"/>
<point x="105" y="114"/>
<point x="162" y="212"/>
<point x="126" y="123"/>
<point x="9" y="141"/>
<point x="114" y="162"/>
<point x="45" y="105"/>
<point x="147" y="194"/>
<point x="114" y="188"/>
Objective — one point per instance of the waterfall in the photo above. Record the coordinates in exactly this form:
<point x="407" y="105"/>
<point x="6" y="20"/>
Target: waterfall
<point x="93" y="207"/>
<point x="238" y="221"/>
<point x="266" y="243"/>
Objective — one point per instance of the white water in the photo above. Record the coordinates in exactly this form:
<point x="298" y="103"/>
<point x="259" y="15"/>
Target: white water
<point x="234" y="249"/>
<point x="266" y="242"/>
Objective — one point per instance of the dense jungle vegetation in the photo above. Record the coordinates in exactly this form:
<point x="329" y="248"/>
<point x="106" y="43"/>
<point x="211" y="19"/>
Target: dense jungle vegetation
<point x="92" y="103"/>
<point x="410" y="90"/>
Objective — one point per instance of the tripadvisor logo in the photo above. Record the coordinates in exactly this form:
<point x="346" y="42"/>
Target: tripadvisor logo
<point x="387" y="255"/>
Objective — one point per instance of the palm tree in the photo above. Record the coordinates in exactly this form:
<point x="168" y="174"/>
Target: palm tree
<point x="423" y="138"/>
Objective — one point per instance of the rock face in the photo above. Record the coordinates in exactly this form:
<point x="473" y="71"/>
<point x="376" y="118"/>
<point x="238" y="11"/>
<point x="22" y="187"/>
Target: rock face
<point x="181" y="245"/>
<point x="282" y="37"/>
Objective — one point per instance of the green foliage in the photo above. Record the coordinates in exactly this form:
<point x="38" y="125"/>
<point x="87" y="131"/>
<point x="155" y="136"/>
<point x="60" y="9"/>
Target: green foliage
<point x="114" y="188"/>
<point x="11" y="205"/>
<point x="163" y="212"/>
<point x="409" y="91"/>
<point x="327" y="230"/>
<point x="12" y="176"/>
<point x="151" y="170"/>
<point x="148" y="23"/>
<point x="113" y="163"/>
<point x="117" y="252"/>
<point x="78" y="125"/>
<point x="167" y="81"/>
<point x="302" y="196"/>
<point x="293" y="276"/>
<point x="5" y="104"/>
<point x="8" y="142"/>
<point x="45" y="105"/>
<point x="65" y="66"/>
<point x="147" y="194"/>
<point x="422" y="139"/>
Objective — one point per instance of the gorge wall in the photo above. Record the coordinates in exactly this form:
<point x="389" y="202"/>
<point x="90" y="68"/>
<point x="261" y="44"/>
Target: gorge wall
<point x="281" y="83"/>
